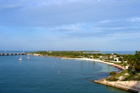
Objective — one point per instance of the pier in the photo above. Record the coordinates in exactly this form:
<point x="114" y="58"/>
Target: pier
<point x="12" y="54"/>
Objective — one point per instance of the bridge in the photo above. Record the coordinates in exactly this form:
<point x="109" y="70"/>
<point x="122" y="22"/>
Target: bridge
<point x="12" y="54"/>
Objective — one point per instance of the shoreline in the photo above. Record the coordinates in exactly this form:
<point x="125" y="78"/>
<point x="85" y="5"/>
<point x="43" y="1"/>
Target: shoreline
<point x="132" y="86"/>
<point x="96" y="60"/>
<point x="125" y="85"/>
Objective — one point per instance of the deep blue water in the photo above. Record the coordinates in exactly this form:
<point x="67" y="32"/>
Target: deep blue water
<point x="52" y="75"/>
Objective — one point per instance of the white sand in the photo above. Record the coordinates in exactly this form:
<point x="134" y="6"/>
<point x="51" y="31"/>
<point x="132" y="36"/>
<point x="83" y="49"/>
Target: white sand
<point x="97" y="60"/>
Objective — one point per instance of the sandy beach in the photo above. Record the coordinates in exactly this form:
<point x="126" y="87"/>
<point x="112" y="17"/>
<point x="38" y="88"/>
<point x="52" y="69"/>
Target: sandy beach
<point x="97" y="60"/>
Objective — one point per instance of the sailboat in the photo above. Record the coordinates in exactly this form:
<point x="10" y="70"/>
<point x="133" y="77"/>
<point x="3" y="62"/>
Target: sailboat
<point x="20" y="58"/>
<point x="28" y="57"/>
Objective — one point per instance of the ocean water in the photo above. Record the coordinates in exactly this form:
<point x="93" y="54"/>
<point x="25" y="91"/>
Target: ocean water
<point x="110" y="52"/>
<point x="119" y="52"/>
<point x="53" y="75"/>
<point x="102" y="52"/>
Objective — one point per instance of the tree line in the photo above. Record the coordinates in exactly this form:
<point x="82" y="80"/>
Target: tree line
<point x="132" y="60"/>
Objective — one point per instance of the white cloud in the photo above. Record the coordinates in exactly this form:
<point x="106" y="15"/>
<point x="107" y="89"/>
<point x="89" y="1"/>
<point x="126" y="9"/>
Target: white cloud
<point x="105" y="21"/>
<point x="45" y="13"/>
<point x="124" y="35"/>
<point x="51" y="2"/>
<point x="108" y="21"/>
<point x="116" y="27"/>
<point x="73" y="28"/>
<point x="135" y="19"/>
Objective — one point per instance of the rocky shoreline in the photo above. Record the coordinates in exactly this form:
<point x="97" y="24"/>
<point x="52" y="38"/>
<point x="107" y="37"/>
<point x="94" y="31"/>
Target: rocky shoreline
<point x="133" y="86"/>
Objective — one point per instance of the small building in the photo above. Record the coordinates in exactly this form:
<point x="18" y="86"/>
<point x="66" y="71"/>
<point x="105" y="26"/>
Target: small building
<point x="91" y="57"/>
<point x="100" y="57"/>
<point x="111" y="57"/>
<point x="50" y="51"/>
<point x="105" y="57"/>
<point x="81" y="56"/>
<point x="126" y="67"/>
<point x="36" y="54"/>
<point x="115" y="56"/>
<point x="116" y="59"/>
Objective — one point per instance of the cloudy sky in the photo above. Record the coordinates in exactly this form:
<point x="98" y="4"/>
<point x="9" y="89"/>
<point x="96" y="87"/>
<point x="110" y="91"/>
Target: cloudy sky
<point x="70" y="25"/>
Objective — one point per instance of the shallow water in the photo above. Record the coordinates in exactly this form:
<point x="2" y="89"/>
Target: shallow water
<point x="52" y="75"/>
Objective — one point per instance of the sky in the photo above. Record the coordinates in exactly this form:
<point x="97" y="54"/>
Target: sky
<point x="102" y="25"/>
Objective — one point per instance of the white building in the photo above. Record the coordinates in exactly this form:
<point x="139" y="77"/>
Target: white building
<point x="116" y="59"/>
<point x="91" y="56"/>
<point x="115" y="55"/>
<point x="100" y="56"/>
<point x="36" y="54"/>
<point x="111" y="57"/>
<point x="50" y="51"/>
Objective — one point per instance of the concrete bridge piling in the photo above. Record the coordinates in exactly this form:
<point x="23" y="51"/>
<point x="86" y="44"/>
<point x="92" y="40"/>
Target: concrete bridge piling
<point x="11" y="54"/>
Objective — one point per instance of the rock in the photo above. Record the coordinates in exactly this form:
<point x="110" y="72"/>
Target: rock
<point x="121" y="78"/>
<point x="126" y="74"/>
<point x="136" y="76"/>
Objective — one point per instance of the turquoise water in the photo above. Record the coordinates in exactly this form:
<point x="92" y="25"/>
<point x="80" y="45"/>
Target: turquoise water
<point x="52" y="75"/>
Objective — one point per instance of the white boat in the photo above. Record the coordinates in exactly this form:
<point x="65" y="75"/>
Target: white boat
<point x="28" y="57"/>
<point x="20" y="58"/>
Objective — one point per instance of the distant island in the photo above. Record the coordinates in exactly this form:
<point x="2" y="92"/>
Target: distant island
<point x="127" y="79"/>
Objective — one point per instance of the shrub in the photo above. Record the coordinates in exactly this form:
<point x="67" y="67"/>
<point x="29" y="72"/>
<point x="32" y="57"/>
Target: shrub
<point x="112" y="73"/>
<point x="112" y="78"/>
<point x="130" y="68"/>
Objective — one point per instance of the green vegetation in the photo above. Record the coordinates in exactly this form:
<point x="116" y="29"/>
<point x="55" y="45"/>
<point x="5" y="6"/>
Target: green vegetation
<point x="124" y="75"/>
<point x="112" y="77"/>
<point x="112" y="73"/>
<point x="71" y="54"/>
<point x="133" y="61"/>
<point x="133" y="71"/>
